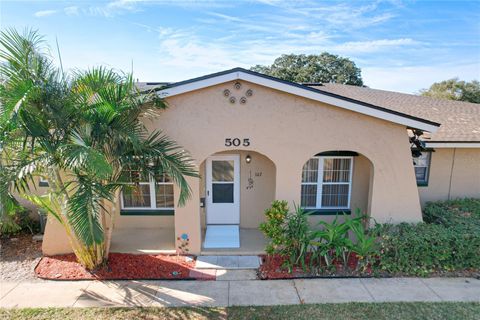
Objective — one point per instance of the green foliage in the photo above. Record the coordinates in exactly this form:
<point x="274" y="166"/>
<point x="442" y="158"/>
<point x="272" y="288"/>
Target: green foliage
<point x="448" y="241"/>
<point x="365" y="245"/>
<point x="16" y="221"/>
<point x="297" y="238"/>
<point x="453" y="212"/>
<point x="321" y="68"/>
<point x="289" y="233"/>
<point x="292" y="237"/>
<point x="419" y="249"/>
<point x="273" y="228"/>
<point x="79" y="131"/>
<point x="454" y="89"/>
<point x="331" y="241"/>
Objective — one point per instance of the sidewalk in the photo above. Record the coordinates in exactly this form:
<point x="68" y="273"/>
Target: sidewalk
<point x="231" y="292"/>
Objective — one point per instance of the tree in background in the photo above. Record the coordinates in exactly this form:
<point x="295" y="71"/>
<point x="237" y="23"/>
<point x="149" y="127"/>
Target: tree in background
<point x="322" y="68"/>
<point x="454" y="89"/>
<point x="82" y="132"/>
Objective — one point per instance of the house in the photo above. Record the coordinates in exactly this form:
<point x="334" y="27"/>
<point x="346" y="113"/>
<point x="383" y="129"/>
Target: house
<point x="329" y="148"/>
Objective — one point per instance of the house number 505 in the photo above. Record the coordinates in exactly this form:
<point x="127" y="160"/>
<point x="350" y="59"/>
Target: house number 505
<point x="235" y="142"/>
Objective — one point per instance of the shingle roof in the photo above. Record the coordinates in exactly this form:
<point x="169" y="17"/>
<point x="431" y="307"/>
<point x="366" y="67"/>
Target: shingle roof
<point x="460" y="121"/>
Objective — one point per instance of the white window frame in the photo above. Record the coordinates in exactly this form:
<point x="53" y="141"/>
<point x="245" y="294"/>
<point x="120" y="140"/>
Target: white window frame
<point x="320" y="182"/>
<point x="153" y="200"/>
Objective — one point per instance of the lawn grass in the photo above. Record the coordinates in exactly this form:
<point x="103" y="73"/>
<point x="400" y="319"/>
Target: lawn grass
<point x="347" y="311"/>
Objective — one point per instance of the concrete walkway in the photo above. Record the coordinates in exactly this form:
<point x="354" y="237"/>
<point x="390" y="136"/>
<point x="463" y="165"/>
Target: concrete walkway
<point x="235" y="290"/>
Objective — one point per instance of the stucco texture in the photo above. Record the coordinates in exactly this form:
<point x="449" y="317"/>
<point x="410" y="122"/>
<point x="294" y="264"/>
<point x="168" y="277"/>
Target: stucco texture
<point x="454" y="173"/>
<point x="284" y="132"/>
<point x="289" y="130"/>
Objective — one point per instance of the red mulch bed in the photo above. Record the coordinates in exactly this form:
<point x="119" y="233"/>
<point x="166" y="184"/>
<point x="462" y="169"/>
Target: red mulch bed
<point x="120" y="266"/>
<point x="272" y="268"/>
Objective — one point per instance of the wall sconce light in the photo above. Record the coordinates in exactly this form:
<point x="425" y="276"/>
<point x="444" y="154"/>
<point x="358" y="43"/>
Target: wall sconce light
<point x="248" y="159"/>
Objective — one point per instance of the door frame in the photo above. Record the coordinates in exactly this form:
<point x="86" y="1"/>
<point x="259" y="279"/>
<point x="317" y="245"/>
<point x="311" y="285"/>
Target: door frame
<point x="236" y="187"/>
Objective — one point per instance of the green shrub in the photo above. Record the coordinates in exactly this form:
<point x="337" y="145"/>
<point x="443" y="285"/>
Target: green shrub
<point x="453" y="212"/>
<point x="290" y="236"/>
<point x="17" y="220"/>
<point x="273" y="227"/>
<point x="289" y="233"/>
<point x="419" y="249"/>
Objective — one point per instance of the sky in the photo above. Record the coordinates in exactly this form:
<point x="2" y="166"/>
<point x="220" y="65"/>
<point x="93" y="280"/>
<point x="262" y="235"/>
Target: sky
<point x="399" y="45"/>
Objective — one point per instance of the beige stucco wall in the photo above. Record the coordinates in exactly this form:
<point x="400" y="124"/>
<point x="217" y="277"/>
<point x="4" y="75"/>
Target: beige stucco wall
<point x="454" y="173"/>
<point x="288" y="130"/>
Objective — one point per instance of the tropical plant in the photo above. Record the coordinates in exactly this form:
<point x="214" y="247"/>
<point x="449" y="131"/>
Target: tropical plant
<point x="331" y="241"/>
<point x="297" y="238"/>
<point x="289" y="233"/>
<point x="8" y="205"/>
<point x="81" y="132"/>
<point x="364" y="244"/>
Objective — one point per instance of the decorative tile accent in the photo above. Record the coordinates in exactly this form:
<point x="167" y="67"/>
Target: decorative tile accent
<point x="232" y="98"/>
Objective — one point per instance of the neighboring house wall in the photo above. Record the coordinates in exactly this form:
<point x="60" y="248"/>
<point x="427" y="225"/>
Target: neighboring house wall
<point x="454" y="173"/>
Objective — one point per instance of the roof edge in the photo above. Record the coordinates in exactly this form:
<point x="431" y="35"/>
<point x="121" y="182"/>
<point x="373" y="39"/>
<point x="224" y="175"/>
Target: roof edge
<point x="453" y="144"/>
<point x="309" y="92"/>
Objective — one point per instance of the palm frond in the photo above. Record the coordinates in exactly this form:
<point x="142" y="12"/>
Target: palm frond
<point x="85" y="209"/>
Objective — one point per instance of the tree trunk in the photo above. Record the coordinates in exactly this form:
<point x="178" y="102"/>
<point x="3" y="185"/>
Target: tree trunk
<point x="91" y="257"/>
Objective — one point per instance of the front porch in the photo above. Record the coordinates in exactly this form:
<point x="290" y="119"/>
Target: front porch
<point x="252" y="242"/>
<point x="162" y="241"/>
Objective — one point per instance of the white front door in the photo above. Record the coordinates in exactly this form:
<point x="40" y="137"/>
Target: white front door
<point x="223" y="189"/>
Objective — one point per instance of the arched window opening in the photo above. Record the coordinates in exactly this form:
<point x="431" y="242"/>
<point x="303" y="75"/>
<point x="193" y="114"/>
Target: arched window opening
<point x="327" y="181"/>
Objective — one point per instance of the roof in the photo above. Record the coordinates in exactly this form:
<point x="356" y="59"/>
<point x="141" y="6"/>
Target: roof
<point x="460" y="121"/>
<point x="147" y="86"/>
<point x="334" y="99"/>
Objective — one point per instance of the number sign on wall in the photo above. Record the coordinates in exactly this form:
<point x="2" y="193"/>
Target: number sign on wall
<point x="236" y="142"/>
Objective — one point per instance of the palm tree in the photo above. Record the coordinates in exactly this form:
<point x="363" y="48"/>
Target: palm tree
<point x="81" y="133"/>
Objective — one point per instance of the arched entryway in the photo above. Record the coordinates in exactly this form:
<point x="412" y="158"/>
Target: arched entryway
<point x="236" y="187"/>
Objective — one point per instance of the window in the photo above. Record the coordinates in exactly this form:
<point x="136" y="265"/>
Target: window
<point x="43" y="182"/>
<point x="422" y="168"/>
<point x="147" y="192"/>
<point x="327" y="183"/>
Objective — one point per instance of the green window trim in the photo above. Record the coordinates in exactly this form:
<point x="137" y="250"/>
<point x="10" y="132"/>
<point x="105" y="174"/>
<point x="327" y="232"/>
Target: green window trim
<point x="422" y="183"/>
<point x="140" y="212"/>
<point x="328" y="212"/>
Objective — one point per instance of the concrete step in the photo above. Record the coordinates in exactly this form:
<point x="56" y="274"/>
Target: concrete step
<point x="227" y="262"/>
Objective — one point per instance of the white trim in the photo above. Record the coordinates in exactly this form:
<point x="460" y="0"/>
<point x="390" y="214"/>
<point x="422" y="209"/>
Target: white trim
<point x="285" y="87"/>
<point x="153" y="196"/>
<point x="452" y="145"/>
<point x="235" y="206"/>
<point x="319" y="183"/>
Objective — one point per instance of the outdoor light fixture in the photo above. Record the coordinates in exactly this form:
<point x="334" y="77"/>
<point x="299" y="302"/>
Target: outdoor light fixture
<point x="248" y="159"/>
